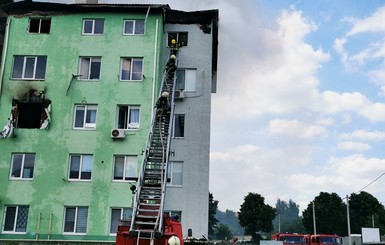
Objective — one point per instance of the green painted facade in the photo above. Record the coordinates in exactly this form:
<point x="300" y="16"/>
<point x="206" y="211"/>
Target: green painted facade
<point x="49" y="192"/>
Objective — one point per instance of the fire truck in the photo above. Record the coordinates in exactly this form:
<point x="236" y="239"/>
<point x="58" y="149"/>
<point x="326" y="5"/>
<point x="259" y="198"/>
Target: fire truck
<point x="322" y="239"/>
<point x="148" y="224"/>
<point x="289" y="238"/>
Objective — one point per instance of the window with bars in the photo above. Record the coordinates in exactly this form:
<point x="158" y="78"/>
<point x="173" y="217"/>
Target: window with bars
<point x="116" y="215"/>
<point x="125" y="167"/>
<point x="80" y="167"/>
<point x="133" y="27"/>
<point x="22" y="166"/>
<point x="16" y="219"/>
<point x="29" y="67"/>
<point x="75" y="220"/>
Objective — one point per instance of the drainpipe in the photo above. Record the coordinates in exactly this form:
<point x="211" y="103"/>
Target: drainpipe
<point x="155" y="66"/>
<point x="5" y="49"/>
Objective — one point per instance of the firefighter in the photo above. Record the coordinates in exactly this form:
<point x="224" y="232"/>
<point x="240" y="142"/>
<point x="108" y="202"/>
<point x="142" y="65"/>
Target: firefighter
<point x="171" y="66"/>
<point x="174" y="47"/>
<point x="163" y="104"/>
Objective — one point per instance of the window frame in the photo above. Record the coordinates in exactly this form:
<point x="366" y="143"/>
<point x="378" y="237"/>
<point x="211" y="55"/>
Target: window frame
<point x="90" y="63"/>
<point x="15" y="219"/>
<point x="123" y="212"/>
<point x="22" y="166"/>
<point x="134" y="27"/>
<point x="181" y="129"/>
<point x="94" y="22"/>
<point x="27" y="66"/>
<point x="128" y="161"/>
<point x="88" y="108"/>
<point x="171" y="173"/>
<point x="128" y="124"/>
<point x="42" y="23"/>
<point x="76" y="222"/>
<point x="177" y="35"/>
<point x="131" y="72"/>
<point x="81" y="168"/>
<point x="189" y="76"/>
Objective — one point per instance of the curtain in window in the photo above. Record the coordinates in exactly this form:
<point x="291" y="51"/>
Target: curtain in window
<point x="119" y="167"/>
<point x="131" y="164"/>
<point x="126" y="69"/>
<point x="137" y="69"/>
<point x="86" y="167"/>
<point x="134" y="118"/>
<point x="190" y="80"/>
<point x="84" y="68"/>
<point x="91" y="114"/>
<point x="81" y="222"/>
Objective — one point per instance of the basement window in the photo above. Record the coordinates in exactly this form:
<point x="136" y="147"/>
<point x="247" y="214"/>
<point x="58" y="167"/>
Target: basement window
<point x="39" y="25"/>
<point x="32" y="111"/>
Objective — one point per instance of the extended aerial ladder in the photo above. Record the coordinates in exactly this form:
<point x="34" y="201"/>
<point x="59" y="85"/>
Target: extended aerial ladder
<point x="148" y="224"/>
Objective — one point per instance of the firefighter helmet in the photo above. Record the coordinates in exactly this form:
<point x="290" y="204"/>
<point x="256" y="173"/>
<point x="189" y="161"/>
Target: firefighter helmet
<point x="174" y="240"/>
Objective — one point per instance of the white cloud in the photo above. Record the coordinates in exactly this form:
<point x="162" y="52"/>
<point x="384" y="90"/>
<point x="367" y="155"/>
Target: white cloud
<point x="353" y="146"/>
<point x="373" y="23"/>
<point x="296" y="129"/>
<point x="361" y="134"/>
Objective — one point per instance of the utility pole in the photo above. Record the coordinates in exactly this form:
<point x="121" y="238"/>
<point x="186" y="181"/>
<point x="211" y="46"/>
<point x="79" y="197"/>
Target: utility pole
<point x="314" y="223"/>
<point x="348" y="218"/>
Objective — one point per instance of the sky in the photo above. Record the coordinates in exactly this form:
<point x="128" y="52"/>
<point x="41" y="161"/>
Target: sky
<point x="300" y="102"/>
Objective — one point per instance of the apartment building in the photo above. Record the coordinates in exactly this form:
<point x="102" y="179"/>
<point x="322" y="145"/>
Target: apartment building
<point x="78" y="87"/>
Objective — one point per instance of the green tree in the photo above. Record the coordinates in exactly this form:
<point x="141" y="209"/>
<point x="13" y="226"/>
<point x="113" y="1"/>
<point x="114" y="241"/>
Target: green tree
<point x="213" y="207"/>
<point x="364" y="210"/>
<point x="256" y="216"/>
<point x="223" y="232"/>
<point x="330" y="215"/>
<point x="287" y="219"/>
<point x="230" y="219"/>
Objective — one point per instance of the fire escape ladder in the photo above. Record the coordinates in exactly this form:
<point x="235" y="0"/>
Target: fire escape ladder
<point x="147" y="216"/>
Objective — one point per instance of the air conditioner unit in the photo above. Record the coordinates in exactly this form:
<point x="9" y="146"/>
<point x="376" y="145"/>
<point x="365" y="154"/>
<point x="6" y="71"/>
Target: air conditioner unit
<point x="179" y="94"/>
<point x="117" y="133"/>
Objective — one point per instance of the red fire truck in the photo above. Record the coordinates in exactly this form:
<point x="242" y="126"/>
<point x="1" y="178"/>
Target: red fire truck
<point x="322" y="239"/>
<point x="289" y="238"/>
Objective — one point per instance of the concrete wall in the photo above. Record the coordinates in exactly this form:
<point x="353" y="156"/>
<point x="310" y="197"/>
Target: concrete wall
<point x="47" y="193"/>
<point x="193" y="149"/>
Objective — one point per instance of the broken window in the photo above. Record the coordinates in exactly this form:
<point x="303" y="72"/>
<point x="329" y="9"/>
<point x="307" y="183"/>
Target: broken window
<point x="180" y="38"/>
<point x="29" y="67"/>
<point x="31" y="111"/>
<point x="39" y="25"/>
